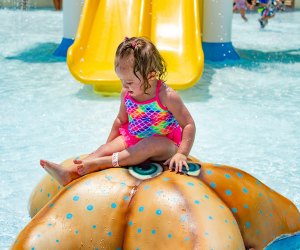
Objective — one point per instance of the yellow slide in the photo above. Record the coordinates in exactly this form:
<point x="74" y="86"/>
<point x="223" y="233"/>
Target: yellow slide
<point x="172" y="25"/>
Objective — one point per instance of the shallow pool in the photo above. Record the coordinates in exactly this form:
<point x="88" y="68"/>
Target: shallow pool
<point x="247" y="112"/>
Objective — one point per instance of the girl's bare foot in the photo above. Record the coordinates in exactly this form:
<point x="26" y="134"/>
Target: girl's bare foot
<point x="62" y="175"/>
<point x="87" y="166"/>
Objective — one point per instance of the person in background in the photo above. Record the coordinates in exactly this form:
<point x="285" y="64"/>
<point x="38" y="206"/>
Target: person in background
<point x="242" y="6"/>
<point x="278" y="5"/>
<point x="266" y="12"/>
<point x="57" y="4"/>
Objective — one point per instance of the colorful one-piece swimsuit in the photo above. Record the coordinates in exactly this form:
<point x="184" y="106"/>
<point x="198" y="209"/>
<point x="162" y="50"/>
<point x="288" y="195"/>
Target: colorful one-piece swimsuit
<point x="149" y="118"/>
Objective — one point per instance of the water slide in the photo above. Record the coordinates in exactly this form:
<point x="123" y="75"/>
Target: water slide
<point x="173" y="25"/>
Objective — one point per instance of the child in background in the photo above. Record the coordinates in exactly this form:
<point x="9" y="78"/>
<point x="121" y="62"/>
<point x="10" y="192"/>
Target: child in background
<point x="278" y="5"/>
<point x="152" y="124"/>
<point x="266" y="12"/>
<point x="241" y="6"/>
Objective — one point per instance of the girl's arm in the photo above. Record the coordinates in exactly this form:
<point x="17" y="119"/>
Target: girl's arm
<point x="120" y="119"/>
<point x="175" y="105"/>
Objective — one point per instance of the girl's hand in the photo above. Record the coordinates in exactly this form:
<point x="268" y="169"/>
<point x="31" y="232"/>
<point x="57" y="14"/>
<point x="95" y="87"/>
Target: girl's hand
<point x="177" y="161"/>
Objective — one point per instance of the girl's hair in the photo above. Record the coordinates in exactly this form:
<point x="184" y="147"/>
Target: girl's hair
<point x="147" y="58"/>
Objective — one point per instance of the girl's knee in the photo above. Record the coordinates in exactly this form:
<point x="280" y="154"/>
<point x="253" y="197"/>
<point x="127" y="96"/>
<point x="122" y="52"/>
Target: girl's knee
<point x="161" y="146"/>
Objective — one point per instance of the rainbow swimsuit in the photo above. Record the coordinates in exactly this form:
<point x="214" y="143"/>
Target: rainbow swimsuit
<point x="149" y="118"/>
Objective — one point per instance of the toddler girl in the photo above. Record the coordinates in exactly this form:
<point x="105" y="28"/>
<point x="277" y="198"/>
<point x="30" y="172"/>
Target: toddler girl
<point x="152" y="123"/>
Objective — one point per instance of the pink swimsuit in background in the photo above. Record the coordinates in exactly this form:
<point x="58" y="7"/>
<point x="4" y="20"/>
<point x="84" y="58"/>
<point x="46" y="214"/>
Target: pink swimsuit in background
<point x="240" y="4"/>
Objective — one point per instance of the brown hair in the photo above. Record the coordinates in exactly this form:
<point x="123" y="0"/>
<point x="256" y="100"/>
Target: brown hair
<point x="147" y="58"/>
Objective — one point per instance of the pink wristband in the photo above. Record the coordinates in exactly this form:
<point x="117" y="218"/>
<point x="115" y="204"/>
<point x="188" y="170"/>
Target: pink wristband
<point x="115" y="160"/>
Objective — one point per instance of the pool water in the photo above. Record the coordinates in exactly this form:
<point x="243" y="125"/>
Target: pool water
<point x="247" y="112"/>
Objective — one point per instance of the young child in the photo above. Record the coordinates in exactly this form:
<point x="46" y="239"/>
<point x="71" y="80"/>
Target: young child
<point x="266" y="12"/>
<point x="241" y="6"/>
<point x="152" y="123"/>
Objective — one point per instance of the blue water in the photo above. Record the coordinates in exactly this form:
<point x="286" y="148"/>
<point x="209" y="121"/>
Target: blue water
<point x="247" y="112"/>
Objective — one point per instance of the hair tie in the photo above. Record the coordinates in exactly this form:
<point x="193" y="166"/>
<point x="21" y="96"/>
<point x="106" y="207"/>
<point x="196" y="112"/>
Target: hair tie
<point x="133" y="44"/>
<point x="126" y="38"/>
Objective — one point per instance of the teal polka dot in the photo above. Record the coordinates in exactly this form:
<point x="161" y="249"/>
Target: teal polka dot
<point x="169" y="236"/>
<point x="245" y="190"/>
<point x="209" y="172"/>
<point x="227" y="176"/>
<point x="158" y="212"/>
<point x="57" y="241"/>
<point x="139" y="230"/>
<point x="90" y="207"/>
<point x="246" y="206"/>
<point x="213" y="185"/>
<point x="48" y="195"/>
<point x="41" y="190"/>
<point x="113" y="205"/>
<point x="159" y="192"/>
<point x="210" y="218"/>
<point x="130" y="223"/>
<point x="77" y="231"/>
<point x="108" y="177"/>
<point x="206" y="196"/>
<point x="75" y="198"/>
<point x="141" y="209"/>
<point x="49" y="224"/>
<point x="109" y="233"/>
<point x="69" y="216"/>
<point x="94" y="226"/>
<point x="153" y="231"/>
<point x="226" y="221"/>
<point x="197" y="202"/>
<point x="239" y="175"/>
<point x="228" y="192"/>
<point x="234" y="210"/>
<point x="190" y="184"/>
<point x="146" y="187"/>
<point x="51" y="205"/>
<point x="126" y="198"/>
<point x="247" y="224"/>
<point x="166" y="179"/>
<point x="187" y="238"/>
<point x="184" y="218"/>
<point x="257" y="182"/>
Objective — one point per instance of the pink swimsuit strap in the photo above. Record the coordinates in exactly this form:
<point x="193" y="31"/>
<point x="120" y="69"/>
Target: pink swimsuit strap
<point x="156" y="98"/>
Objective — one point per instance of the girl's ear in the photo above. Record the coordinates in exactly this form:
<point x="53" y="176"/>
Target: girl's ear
<point x="151" y="76"/>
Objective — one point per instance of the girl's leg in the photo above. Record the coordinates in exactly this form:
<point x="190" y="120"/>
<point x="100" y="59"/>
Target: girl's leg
<point x="115" y="145"/>
<point x="152" y="148"/>
<point x="243" y="14"/>
<point x="65" y="175"/>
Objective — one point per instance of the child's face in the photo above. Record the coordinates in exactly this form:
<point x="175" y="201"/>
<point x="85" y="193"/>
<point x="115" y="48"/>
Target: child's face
<point x="130" y="82"/>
